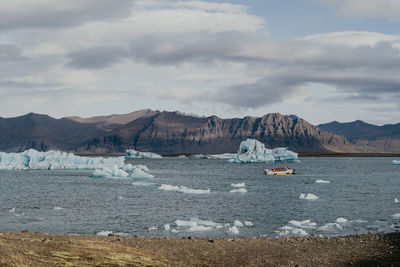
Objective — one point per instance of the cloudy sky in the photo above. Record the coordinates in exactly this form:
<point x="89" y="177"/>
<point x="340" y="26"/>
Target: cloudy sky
<point x="322" y="60"/>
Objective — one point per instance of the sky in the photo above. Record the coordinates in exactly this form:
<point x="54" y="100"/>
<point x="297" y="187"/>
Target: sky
<point x="322" y="60"/>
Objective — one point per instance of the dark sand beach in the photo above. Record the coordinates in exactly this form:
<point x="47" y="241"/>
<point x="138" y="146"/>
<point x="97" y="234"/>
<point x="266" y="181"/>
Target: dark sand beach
<point x="38" y="249"/>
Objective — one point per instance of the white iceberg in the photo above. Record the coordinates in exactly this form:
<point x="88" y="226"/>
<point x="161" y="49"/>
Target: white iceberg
<point x="110" y="172"/>
<point x="291" y="231"/>
<point x="133" y="154"/>
<point x="319" y="181"/>
<point x="104" y="233"/>
<point x="395" y="216"/>
<point x="239" y="190"/>
<point x="253" y="151"/>
<point x="396" y="162"/>
<point x="137" y="173"/>
<point x="248" y="223"/>
<point x="341" y="220"/>
<point x="239" y="185"/>
<point x="233" y="230"/>
<point x="396" y="200"/>
<point x="196" y="225"/>
<point x="183" y="189"/>
<point x="306" y="224"/>
<point x="309" y="196"/>
<point x="52" y="160"/>
<point x="238" y="223"/>
<point x="330" y="228"/>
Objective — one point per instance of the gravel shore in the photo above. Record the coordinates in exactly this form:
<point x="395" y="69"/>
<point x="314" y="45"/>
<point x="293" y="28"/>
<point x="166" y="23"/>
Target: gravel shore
<point x="38" y="249"/>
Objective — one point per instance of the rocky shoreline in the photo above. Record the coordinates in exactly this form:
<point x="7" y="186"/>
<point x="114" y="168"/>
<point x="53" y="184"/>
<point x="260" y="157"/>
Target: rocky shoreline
<point x="38" y="249"/>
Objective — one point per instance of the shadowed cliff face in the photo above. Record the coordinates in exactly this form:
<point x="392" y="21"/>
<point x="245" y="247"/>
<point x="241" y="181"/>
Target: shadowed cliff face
<point x="171" y="132"/>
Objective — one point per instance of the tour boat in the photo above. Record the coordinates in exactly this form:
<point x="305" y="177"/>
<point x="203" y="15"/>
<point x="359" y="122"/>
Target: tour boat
<point x="279" y="171"/>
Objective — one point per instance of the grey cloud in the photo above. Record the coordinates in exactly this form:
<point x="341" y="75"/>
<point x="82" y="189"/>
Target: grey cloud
<point x="10" y="52"/>
<point x="17" y="14"/>
<point x="96" y="57"/>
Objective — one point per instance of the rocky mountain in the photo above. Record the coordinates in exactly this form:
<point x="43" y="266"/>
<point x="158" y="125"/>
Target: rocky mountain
<point x="170" y="133"/>
<point x="366" y="137"/>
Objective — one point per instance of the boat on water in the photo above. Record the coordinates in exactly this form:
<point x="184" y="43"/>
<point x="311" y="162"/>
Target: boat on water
<point x="279" y="171"/>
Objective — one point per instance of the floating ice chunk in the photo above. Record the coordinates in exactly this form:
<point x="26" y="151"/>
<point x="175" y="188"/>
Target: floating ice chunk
<point x="110" y="172"/>
<point x="128" y="168"/>
<point x="248" y="223"/>
<point x="153" y="228"/>
<point x="223" y="156"/>
<point x="11" y="210"/>
<point x="239" y="185"/>
<point x="251" y="151"/>
<point x="308" y="196"/>
<point x="238" y="223"/>
<point x="196" y="225"/>
<point x="104" y="233"/>
<point x="319" y="181"/>
<point x="396" y="162"/>
<point x="341" y="220"/>
<point x="395" y="216"/>
<point x="396" y="200"/>
<point x="35" y="160"/>
<point x="58" y="208"/>
<point x="306" y="224"/>
<point x="139" y="174"/>
<point x="240" y="190"/>
<point x="291" y="231"/>
<point x="330" y="228"/>
<point x="143" y="184"/>
<point x="233" y="230"/>
<point x="167" y="227"/>
<point x="133" y="154"/>
<point x="183" y="189"/>
<point x="174" y="231"/>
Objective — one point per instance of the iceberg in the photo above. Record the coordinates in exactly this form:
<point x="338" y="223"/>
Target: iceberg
<point x="309" y="196"/>
<point x="233" y="230"/>
<point x="107" y="172"/>
<point x="291" y="231"/>
<point x="319" y="181"/>
<point x="138" y="173"/>
<point x="306" y="224"/>
<point x="183" y="189"/>
<point x="239" y="190"/>
<point x="133" y="154"/>
<point x="239" y="185"/>
<point x="253" y="151"/>
<point x="53" y="160"/>
<point x="196" y="225"/>
<point x="396" y="162"/>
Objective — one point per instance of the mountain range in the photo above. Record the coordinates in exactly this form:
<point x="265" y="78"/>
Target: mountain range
<point x="179" y="133"/>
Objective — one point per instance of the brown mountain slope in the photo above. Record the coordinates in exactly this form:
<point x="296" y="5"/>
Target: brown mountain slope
<point x="172" y="132"/>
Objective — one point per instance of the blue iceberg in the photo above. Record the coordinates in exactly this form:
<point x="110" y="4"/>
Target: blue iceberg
<point x="396" y="162"/>
<point x="53" y="160"/>
<point x="253" y="151"/>
<point x="133" y="154"/>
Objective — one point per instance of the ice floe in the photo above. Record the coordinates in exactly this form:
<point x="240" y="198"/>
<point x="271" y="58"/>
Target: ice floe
<point x="308" y="196"/>
<point x="196" y="225"/>
<point x="153" y="228"/>
<point x="104" y="233"/>
<point x="58" y="208"/>
<point x="330" y="228"/>
<point x="137" y="173"/>
<point x="167" y="227"/>
<point x="291" y="231"/>
<point x="319" y="181"/>
<point x="239" y="190"/>
<point x="36" y="160"/>
<point x="233" y="230"/>
<point x="133" y="154"/>
<point x="11" y="210"/>
<point x="396" y="200"/>
<point x="306" y="224"/>
<point x="342" y="220"/>
<point x="248" y="223"/>
<point x="183" y="189"/>
<point x="239" y="185"/>
<point x="110" y="172"/>
<point x="140" y="183"/>
<point x="395" y="216"/>
<point x="396" y="162"/>
<point x="238" y="223"/>
<point x="253" y="151"/>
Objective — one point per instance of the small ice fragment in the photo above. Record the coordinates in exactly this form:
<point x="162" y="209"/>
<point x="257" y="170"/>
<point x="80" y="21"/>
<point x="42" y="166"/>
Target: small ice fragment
<point x="395" y="216"/>
<point x="396" y="162"/>
<point x="319" y="181"/>
<point x="306" y="224"/>
<point x="11" y="210"/>
<point x="137" y="173"/>
<point x="238" y="223"/>
<point x="240" y="190"/>
<point x="239" y="185"/>
<point x="58" y="208"/>
<point x="330" y="228"/>
<point x="183" y="189"/>
<point x="396" y="200"/>
<point x="153" y="228"/>
<point x="128" y="168"/>
<point x="104" y="233"/>
<point x="167" y="227"/>
<point x="234" y="230"/>
<point x="291" y="231"/>
<point x="120" y="197"/>
<point x="143" y="183"/>
<point x="248" y="223"/>
<point x="309" y="196"/>
<point x="341" y="220"/>
<point x="174" y="231"/>
<point x="110" y="172"/>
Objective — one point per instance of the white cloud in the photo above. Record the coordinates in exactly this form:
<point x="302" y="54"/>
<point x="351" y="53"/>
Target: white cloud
<point x="389" y="9"/>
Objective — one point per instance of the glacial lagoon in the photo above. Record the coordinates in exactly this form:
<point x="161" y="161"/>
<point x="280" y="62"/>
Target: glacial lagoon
<point x="208" y="198"/>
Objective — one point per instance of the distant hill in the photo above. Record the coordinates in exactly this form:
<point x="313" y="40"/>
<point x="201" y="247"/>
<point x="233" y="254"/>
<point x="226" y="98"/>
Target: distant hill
<point x="175" y="132"/>
<point x="367" y="137"/>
